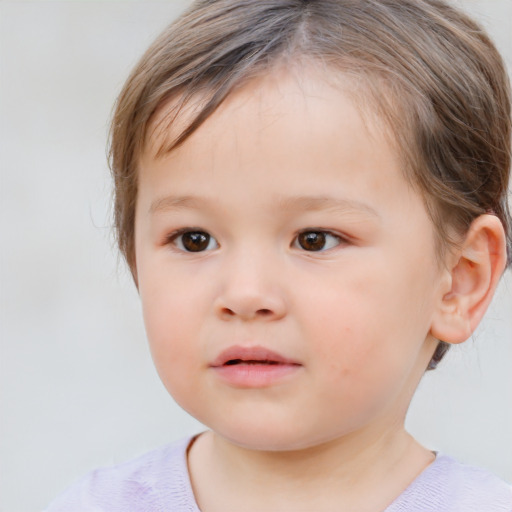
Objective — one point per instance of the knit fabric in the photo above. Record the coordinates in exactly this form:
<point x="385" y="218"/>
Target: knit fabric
<point x="159" y="482"/>
<point x="155" y="482"/>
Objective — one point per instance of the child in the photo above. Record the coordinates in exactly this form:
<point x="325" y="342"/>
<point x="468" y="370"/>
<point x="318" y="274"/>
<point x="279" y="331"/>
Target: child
<point x="312" y="199"/>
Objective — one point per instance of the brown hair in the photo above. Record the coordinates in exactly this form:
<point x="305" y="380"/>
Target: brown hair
<point x="427" y="69"/>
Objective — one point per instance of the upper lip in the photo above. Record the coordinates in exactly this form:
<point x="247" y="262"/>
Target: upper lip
<point x="253" y="353"/>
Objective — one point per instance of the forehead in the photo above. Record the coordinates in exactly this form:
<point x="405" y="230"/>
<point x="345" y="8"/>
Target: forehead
<point x="291" y="134"/>
<point x="269" y="93"/>
<point x="283" y="110"/>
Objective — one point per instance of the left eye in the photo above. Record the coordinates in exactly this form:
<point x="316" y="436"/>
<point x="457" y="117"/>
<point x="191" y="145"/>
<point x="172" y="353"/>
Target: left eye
<point x="194" y="241"/>
<point x="315" y="241"/>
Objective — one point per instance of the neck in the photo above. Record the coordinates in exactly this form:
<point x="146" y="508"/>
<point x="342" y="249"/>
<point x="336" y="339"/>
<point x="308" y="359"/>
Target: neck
<point x="337" y="474"/>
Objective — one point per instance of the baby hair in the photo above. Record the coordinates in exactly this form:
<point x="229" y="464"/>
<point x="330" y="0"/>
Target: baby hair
<point x="424" y="67"/>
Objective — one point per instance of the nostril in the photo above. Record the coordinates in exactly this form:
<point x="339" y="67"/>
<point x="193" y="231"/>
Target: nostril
<point x="260" y="312"/>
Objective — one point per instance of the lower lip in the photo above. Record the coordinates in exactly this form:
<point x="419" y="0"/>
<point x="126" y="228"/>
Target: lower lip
<point x="255" y="375"/>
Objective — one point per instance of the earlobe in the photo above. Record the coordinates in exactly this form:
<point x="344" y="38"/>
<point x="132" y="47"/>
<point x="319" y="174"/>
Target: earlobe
<point x="476" y="269"/>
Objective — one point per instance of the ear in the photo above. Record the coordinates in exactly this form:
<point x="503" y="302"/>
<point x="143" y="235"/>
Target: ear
<point x="473" y="274"/>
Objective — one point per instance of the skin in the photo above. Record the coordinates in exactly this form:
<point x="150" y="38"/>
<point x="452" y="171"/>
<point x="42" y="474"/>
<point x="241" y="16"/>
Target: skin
<point x="359" y="317"/>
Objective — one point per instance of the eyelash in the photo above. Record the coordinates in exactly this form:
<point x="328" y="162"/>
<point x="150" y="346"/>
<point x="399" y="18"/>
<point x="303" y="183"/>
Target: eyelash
<point x="173" y="237"/>
<point x="325" y="235"/>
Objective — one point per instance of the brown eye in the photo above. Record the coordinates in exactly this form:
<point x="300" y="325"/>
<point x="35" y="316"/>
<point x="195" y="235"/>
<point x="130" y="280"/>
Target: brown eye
<point x="317" y="240"/>
<point x="312" y="240"/>
<point x="195" y="241"/>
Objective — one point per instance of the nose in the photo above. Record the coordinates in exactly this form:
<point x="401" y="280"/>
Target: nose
<point x="250" y="291"/>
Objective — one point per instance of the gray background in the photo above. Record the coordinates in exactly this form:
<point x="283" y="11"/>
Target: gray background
<point x="77" y="385"/>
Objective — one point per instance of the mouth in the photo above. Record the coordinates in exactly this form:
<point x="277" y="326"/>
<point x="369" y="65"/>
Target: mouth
<point x="253" y="367"/>
<point x="233" y="362"/>
<point x="256" y="355"/>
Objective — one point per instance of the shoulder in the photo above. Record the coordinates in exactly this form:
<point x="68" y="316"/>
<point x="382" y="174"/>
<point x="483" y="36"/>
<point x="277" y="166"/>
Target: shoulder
<point x="449" y="486"/>
<point x="150" y="482"/>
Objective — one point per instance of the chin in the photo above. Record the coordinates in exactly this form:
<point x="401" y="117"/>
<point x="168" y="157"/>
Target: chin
<point x="269" y="437"/>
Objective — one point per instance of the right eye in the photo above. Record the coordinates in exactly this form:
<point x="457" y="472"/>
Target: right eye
<point x="193" y="241"/>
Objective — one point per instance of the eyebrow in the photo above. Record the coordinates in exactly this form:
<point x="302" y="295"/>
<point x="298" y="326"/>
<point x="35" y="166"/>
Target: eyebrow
<point x="304" y="203"/>
<point x="164" y="204"/>
<point x="314" y="203"/>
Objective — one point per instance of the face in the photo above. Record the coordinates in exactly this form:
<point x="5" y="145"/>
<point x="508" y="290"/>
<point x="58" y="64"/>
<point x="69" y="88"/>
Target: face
<point x="286" y="269"/>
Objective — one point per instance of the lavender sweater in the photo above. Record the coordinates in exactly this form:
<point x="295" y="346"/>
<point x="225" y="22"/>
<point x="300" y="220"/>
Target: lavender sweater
<point x="159" y="482"/>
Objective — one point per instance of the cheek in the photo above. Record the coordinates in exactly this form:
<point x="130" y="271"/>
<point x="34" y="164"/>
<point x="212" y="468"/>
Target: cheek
<point x="364" y="324"/>
<point x="345" y="311"/>
<point x="169" y="318"/>
<point x="174" y="347"/>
